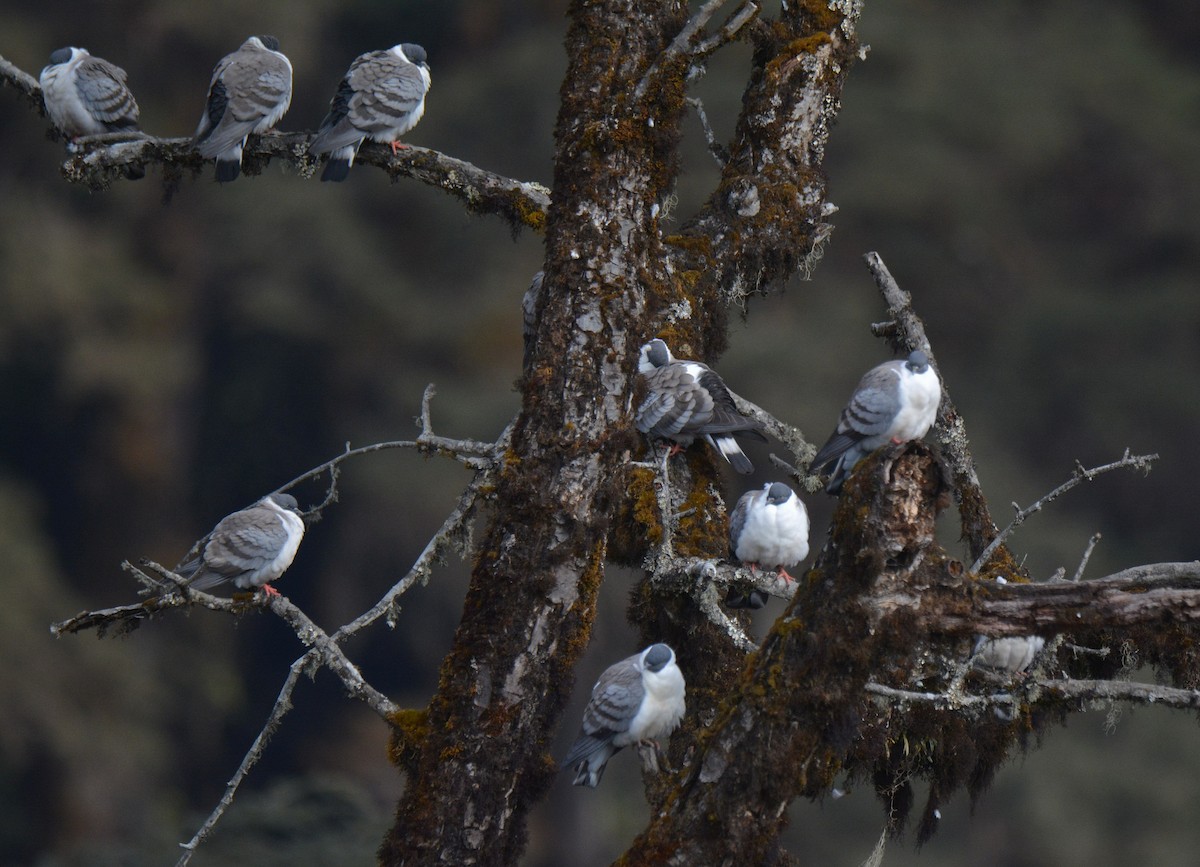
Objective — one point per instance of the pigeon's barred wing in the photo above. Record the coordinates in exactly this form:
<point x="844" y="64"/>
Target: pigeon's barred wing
<point x="381" y="97"/>
<point x="737" y="520"/>
<point x="251" y="89"/>
<point x="386" y="90"/>
<point x="241" y="543"/>
<point x="676" y="406"/>
<point x="102" y="90"/>
<point x="870" y="413"/>
<point x="725" y="415"/>
<point x="615" y="699"/>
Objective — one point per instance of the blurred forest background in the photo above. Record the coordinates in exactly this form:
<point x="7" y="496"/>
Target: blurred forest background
<point x="1028" y="170"/>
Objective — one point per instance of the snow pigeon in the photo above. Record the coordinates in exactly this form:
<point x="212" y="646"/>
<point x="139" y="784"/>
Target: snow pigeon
<point x="1012" y="653"/>
<point x="250" y="91"/>
<point x="86" y="95"/>
<point x="687" y="399"/>
<point x="381" y="98"/>
<point x="768" y="527"/>
<point x="251" y="548"/>
<point x="894" y="402"/>
<point x="637" y="699"/>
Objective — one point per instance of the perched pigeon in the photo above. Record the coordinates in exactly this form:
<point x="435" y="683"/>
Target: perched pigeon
<point x="1012" y="653"/>
<point x="251" y="90"/>
<point x="686" y="399"/>
<point x="637" y="699"/>
<point x="381" y="98"/>
<point x="894" y="402"/>
<point x="86" y="95"/>
<point x="251" y="548"/>
<point x="768" y="527"/>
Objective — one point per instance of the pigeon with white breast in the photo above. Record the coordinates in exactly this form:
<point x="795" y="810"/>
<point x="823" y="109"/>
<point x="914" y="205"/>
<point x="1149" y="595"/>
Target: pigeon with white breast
<point x="250" y="91"/>
<point x="1010" y="653"/>
<point x="769" y="528"/>
<point x="894" y="402"/>
<point x="686" y="400"/>
<point x="251" y="548"/>
<point x="86" y="95"/>
<point x="381" y="98"/>
<point x="637" y="699"/>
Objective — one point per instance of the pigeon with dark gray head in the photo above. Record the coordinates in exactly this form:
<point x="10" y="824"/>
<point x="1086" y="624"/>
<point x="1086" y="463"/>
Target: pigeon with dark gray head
<point x="686" y="400"/>
<point x="381" y="98"/>
<point x="251" y="548"/>
<point x="86" y="95"/>
<point x="894" y="402"/>
<point x="250" y="91"/>
<point x="637" y="699"/>
<point x="768" y="528"/>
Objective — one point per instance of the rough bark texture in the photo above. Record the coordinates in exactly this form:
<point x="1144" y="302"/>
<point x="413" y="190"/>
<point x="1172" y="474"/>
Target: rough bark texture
<point x="798" y="705"/>
<point x="480" y="758"/>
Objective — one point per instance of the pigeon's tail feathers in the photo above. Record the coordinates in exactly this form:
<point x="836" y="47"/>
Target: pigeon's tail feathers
<point x="338" y="167"/>
<point x="732" y="452"/>
<point x="206" y="580"/>
<point x="837" y="446"/>
<point x="589" y="756"/>
<point x="229" y="169"/>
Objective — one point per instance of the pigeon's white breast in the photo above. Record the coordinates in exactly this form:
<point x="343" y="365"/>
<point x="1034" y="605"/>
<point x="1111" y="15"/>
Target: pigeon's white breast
<point x="774" y="535"/>
<point x="662" y="708"/>
<point x="920" y="394"/>
<point x="63" y="104"/>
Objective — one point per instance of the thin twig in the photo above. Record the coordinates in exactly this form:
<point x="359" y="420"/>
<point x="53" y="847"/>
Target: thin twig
<point x="718" y="152"/>
<point x="1139" y="462"/>
<point x="679" y="46"/>
<point x="1079" y="690"/>
<point x="1087" y="555"/>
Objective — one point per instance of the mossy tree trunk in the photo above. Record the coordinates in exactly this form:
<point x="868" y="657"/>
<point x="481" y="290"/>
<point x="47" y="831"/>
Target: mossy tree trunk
<point x="479" y="757"/>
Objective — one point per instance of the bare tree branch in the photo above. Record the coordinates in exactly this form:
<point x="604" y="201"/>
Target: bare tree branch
<point x="1137" y="462"/>
<point x="23" y="83"/>
<point x="906" y="332"/>
<point x="98" y="161"/>
<point x="1073" y="690"/>
<point x="681" y="46"/>
<point x="283" y="704"/>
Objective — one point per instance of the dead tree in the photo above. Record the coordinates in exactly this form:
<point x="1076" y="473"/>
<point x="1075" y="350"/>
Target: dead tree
<point x="868" y="673"/>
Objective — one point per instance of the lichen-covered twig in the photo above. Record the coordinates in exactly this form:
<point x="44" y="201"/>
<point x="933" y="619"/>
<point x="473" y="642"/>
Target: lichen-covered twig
<point x="98" y="161"/>
<point x="1080" y="690"/>
<point x="682" y="45"/>
<point x="1081" y="474"/>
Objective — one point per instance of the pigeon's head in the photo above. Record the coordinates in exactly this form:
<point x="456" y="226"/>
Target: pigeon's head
<point x="918" y="361"/>
<point x="778" y="493"/>
<point x="268" y="42"/>
<point x="654" y="354"/>
<point x="63" y="55"/>
<point x="285" y="501"/>
<point x="413" y="53"/>
<point x="656" y="657"/>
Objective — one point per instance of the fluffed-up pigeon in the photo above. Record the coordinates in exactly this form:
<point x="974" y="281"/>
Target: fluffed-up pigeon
<point x="637" y="699"/>
<point x="381" y="98"/>
<point x="894" y="402"/>
<point x="251" y="548"/>
<point x="86" y="95"/>
<point x="685" y="400"/>
<point x="250" y="91"/>
<point x="769" y="528"/>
